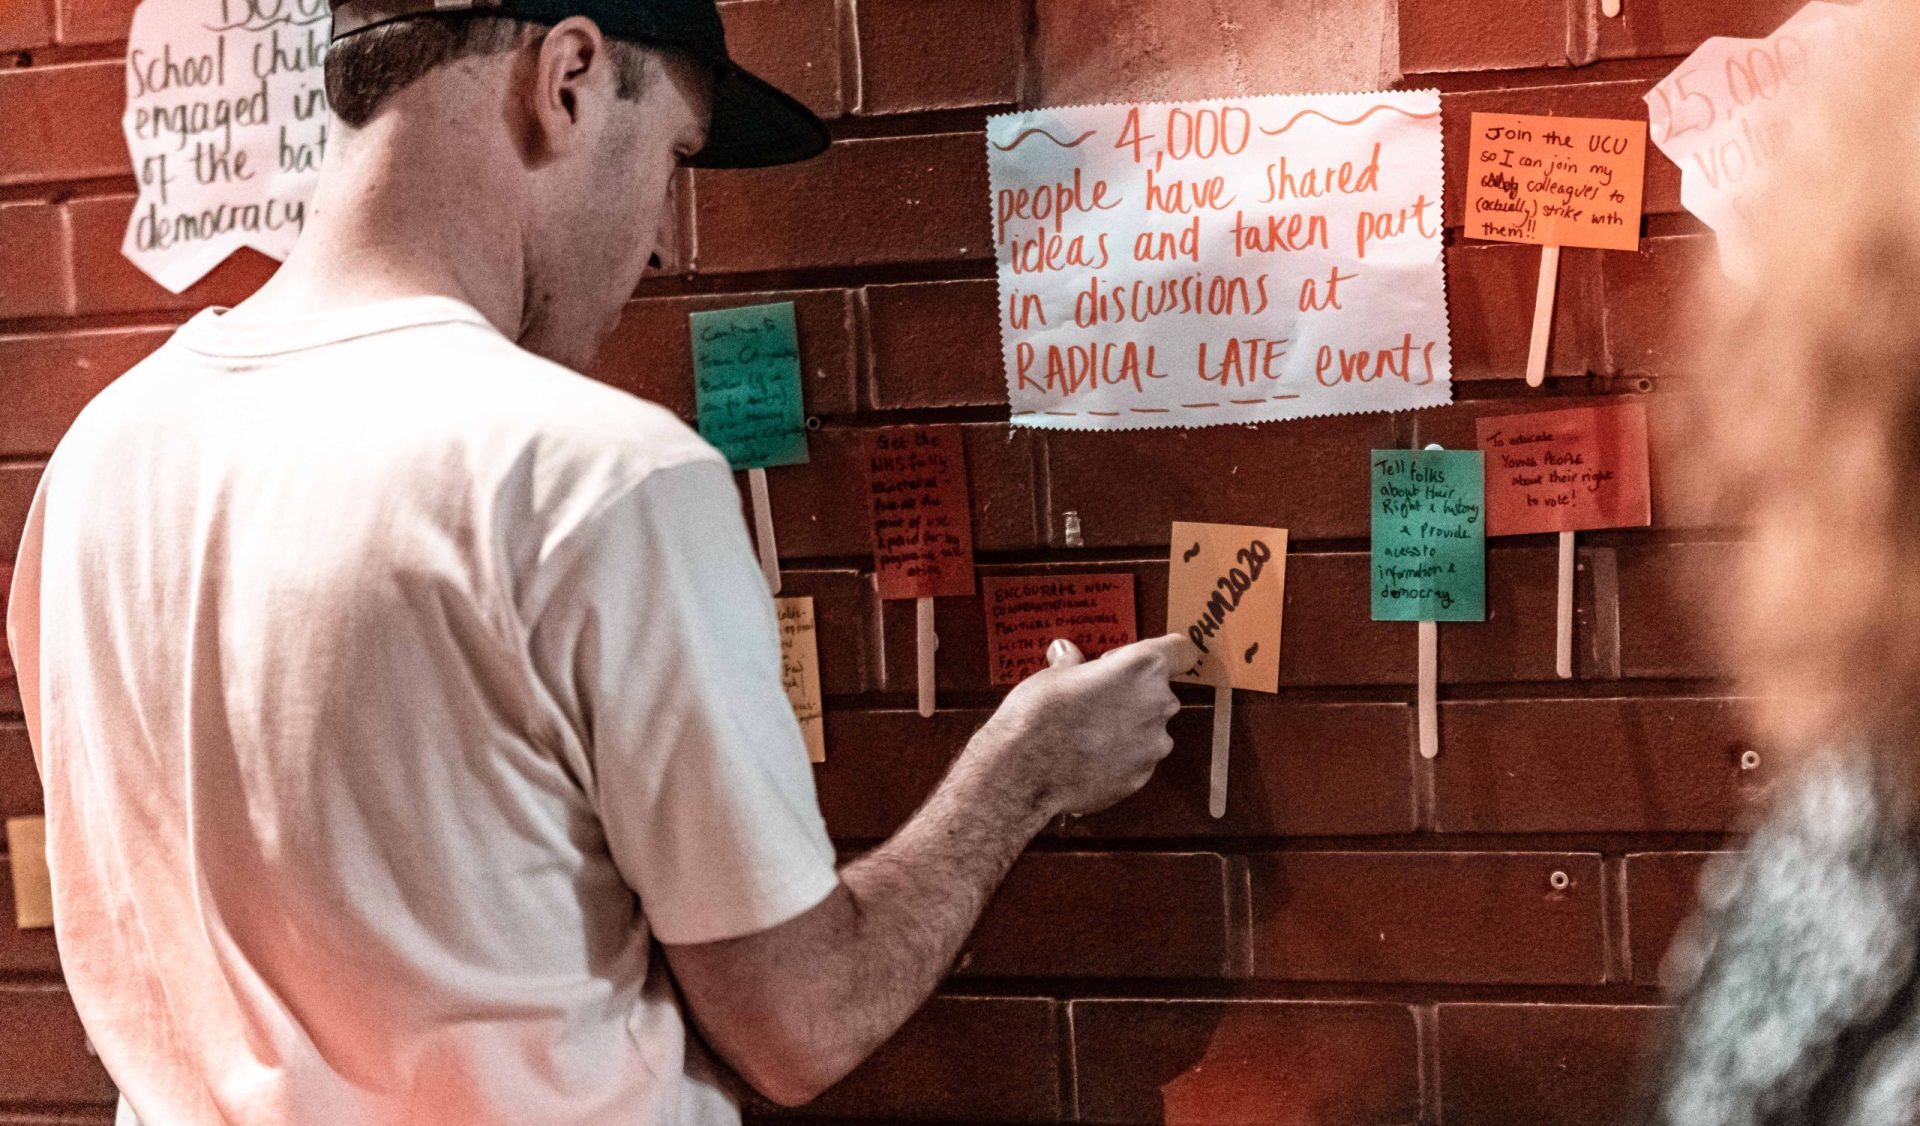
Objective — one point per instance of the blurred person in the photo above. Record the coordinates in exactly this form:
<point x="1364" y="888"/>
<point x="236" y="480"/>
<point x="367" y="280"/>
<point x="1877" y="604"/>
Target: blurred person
<point x="1799" y="984"/>
<point x="408" y="705"/>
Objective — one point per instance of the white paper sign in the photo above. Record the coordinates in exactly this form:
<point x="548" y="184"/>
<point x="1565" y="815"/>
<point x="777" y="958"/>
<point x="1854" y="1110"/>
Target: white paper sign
<point x="226" y="121"/>
<point x="1726" y="114"/>
<point x="1231" y="261"/>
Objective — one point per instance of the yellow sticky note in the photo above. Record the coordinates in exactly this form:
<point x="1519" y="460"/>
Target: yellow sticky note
<point x="1225" y="592"/>
<point x="32" y="885"/>
<point x="800" y="672"/>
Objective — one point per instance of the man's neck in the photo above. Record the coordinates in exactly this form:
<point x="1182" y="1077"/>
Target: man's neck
<point x="396" y="216"/>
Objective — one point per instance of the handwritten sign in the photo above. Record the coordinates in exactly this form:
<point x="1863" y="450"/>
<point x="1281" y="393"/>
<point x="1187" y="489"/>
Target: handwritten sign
<point x="1225" y="591"/>
<point x="746" y="370"/>
<point x="226" y="122"/>
<point x="800" y="671"/>
<point x="1557" y="181"/>
<point x="1203" y="263"/>
<point x="1429" y="536"/>
<point x="922" y="523"/>
<point x="1567" y="470"/>
<point x="32" y="885"/>
<point x="1726" y="114"/>
<point x="1026" y="614"/>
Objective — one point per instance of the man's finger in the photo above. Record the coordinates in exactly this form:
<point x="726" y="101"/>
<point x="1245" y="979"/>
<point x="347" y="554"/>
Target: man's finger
<point x="1174" y="653"/>
<point x="1064" y="654"/>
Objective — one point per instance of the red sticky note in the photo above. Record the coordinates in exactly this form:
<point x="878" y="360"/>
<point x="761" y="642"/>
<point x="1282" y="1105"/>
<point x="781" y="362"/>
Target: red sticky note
<point x="1567" y="470"/>
<point x="1025" y="614"/>
<point x="922" y="523"/>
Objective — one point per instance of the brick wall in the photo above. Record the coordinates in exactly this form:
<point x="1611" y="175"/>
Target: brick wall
<point x="1366" y="937"/>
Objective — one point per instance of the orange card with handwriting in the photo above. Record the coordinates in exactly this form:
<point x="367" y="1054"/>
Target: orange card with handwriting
<point x="800" y="671"/>
<point x="1556" y="181"/>
<point x="1225" y="590"/>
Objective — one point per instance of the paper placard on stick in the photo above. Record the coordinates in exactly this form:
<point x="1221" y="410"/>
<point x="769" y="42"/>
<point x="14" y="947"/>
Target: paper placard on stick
<point x="1556" y="181"/>
<point x="1213" y="262"/>
<point x="1726" y="115"/>
<point x="32" y="884"/>
<point x="922" y="521"/>
<point x="1025" y="614"/>
<point x="746" y="371"/>
<point x="1226" y="589"/>
<point x="1429" y="536"/>
<point x="1567" y="470"/>
<point x="800" y="671"/>
<point x="226" y="121"/>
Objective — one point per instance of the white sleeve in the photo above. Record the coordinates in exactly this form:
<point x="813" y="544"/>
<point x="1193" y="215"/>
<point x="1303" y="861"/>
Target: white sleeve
<point x="659" y="639"/>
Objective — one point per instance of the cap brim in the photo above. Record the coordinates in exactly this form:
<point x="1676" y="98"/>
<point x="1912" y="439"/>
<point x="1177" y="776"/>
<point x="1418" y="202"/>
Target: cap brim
<point x="756" y="125"/>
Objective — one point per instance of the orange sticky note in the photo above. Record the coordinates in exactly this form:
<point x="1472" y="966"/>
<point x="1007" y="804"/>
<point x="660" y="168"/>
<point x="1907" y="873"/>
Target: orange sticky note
<point x="1567" y="470"/>
<point x="800" y="671"/>
<point x="1556" y="181"/>
<point x="32" y="885"/>
<point x="1225" y="592"/>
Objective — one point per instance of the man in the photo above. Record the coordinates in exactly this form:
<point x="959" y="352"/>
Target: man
<point x="408" y="706"/>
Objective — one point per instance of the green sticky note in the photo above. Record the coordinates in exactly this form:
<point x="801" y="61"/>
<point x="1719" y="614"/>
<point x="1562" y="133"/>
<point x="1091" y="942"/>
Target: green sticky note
<point x="746" y="384"/>
<point x="1429" y="536"/>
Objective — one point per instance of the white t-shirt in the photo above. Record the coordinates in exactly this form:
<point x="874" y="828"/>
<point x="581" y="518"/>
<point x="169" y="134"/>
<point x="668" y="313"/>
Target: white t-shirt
<point x="392" y="689"/>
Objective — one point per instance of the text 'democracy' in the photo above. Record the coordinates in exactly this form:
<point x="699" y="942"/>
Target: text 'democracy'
<point x="1206" y="263"/>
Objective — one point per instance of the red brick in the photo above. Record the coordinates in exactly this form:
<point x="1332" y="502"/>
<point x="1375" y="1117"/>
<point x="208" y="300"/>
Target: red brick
<point x="863" y="202"/>
<point x="1296" y="769"/>
<point x="1455" y="917"/>
<point x="882" y="764"/>
<point x="820" y="508"/>
<point x="1490" y="291"/>
<point x="94" y="21"/>
<point x="1544" y="1065"/>
<point x="1663" y="630"/>
<point x="651" y="352"/>
<point x="1447" y="35"/>
<point x="1651" y="28"/>
<point x="45" y="380"/>
<point x="106" y="282"/>
<point x="1516" y="642"/>
<point x="95" y="1116"/>
<point x="918" y="56"/>
<point x="63" y="122"/>
<point x="1654" y="304"/>
<point x="1663" y="890"/>
<point x="38" y="281"/>
<point x="1085" y="914"/>
<point x="19" y="780"/>
<point x="935" y="344"/>
<point x="43" y="1051"/>
<point x="1619" y="98"/>
<point x="976" y="1059"/>
<point x="9" y="690"/>
<point x="22" y="951"/>
<point x="1245" y="1063"/>
<point x="26" y="24"/>
<point x="1309" y="477"/>
<point x="794" y="44"/>
<point x="17" y="483"/>
<point x="1625" y="765"/>
<point x="843" y="622"/>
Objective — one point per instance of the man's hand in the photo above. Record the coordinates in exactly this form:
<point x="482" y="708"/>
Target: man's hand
<point x="794" y="1008"/>
<point x="1083" y="736"/>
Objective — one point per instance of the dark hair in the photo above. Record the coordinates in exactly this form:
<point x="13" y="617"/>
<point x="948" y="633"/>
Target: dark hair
<point x="365" y="69"/>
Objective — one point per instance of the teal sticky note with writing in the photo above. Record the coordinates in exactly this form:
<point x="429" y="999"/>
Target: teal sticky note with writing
<point x="746" y="384"/>
<point x="1429" y="536"/>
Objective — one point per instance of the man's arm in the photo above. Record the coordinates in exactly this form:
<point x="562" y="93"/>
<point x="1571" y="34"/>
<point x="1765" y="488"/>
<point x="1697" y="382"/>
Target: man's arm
<point x="796" y="1007"/>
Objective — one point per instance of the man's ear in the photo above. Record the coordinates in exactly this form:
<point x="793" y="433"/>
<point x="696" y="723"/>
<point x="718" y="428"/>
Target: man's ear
<point x="569" y="62"/>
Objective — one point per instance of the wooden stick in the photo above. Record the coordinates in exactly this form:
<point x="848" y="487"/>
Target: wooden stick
<point x="1543" y="315"/>
<point x="1429" y="689"/>
<point x="1222" y="728"/>
<point x="925" y="643"/>
<point x="763" y="528"/>
<point x="1563" y="635"/>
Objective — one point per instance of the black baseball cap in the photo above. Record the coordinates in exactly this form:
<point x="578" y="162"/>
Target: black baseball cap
<point x="754" y="123"/>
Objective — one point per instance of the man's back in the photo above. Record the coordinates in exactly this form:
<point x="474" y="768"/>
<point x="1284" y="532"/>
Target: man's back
<point x="370" y="651"/>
